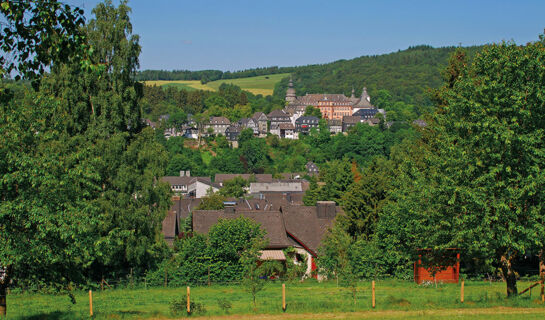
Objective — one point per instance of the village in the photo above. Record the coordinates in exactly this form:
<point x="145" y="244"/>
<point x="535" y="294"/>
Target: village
<point x="339" y="111"/>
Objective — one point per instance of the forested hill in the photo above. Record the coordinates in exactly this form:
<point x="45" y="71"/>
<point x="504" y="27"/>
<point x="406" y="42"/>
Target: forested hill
<point x="208" y="75"/>
<point x="405" y="74"/>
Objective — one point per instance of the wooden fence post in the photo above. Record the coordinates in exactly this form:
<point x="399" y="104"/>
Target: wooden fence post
<point x="543" y="288"/>
<point x="91" y="303"/>
<point x="188" y="301"/>
<point x="284" y="297"/>
<point x="462" y="292"/>
<point x="373" y="294"/>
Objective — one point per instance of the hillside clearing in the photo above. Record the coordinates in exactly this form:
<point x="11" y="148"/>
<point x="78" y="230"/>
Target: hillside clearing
<point x="263" y="85"/>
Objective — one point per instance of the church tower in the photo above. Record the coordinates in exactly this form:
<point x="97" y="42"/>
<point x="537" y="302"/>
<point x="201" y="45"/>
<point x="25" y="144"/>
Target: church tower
<point x="290" y="93"/>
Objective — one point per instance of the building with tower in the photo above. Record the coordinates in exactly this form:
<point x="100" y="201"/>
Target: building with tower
<point x="332" y="106"/>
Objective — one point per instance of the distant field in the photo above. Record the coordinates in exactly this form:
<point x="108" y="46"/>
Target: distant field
<point x="309" y="300"/>
<point x="257" y="85"/>
<point x="192" y="84"/>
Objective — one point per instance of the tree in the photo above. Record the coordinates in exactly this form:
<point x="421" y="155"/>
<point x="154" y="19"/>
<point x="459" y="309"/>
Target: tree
<point x="233" y="243"/>
<point x="312" y="111"/>
<point x="253" y="272"/>
<point x="254" y="155"/>
<point x="335" y="259"/>
<point x="234" y="188"/>
<point x="212" y="201"/>
<point x="364" y="199"/>
<point x="483" y="159"/>
<point x="80" y="188"/>
<point x="335" y="177"/>
<point x="52" y="34"/>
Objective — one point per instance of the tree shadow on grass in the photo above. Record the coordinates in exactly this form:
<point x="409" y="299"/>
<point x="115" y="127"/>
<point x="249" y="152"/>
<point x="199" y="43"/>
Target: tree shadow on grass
<point x="56" y="315"/>
<point x="63" y="315"/>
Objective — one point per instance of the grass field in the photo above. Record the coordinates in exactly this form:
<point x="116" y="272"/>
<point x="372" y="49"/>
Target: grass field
<point x="309" y="300"/>
<point x="257" y="85"/>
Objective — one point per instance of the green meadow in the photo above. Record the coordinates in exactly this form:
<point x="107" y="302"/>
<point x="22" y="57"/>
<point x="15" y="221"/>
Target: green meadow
<point x="310" y="299"/>
<point x="263" y="85"/>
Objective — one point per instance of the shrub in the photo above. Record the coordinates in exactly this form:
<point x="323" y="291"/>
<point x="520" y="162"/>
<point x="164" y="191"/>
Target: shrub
<point x="179" y="306"/>
<point x="224" y="305"/>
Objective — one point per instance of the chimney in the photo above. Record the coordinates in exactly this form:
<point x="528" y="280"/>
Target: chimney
<point x="188" y="173"/>
<point x="326" y="209"/>
<point x="182" y="173"/>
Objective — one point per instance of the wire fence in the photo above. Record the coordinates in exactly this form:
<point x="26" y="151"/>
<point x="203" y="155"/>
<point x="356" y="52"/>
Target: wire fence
<point x="134" y="296"/>
<point x="142" y="282"/>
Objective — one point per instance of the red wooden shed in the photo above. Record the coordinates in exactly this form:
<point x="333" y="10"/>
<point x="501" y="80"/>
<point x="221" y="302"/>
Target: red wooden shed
<point x="445" y="273"/>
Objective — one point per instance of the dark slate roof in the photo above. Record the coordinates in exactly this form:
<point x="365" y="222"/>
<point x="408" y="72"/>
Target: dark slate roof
<point x="233" y="128"/>
<point x="366" y="113"/>
<point x="246" y="122"/>
<point x="334" y="122"/>
<point x="272" y="222"/>
<point x="186" y="206"/>
<point x="277" y="114"/>
<point x="175" y="180"/>
<point x="279" y="199"/>
<point x="221" y="177"/>
<point x="257" y="115"/>
<point x="169" y="225"/>
<point x="286" y="126"/>
<point x="351" y="119"/>
<point x="313" y="99"/>
<point x="302" y="223"/>
<point x="308" y="119"/>
<point x="219" y="120"/>
<point x="364" y="100"/>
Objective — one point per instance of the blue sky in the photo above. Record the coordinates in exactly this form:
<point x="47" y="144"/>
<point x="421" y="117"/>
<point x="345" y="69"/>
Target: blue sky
<point x="241" y="34"/>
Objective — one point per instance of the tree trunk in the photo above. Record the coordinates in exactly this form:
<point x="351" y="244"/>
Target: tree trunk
<point x="509" y="276"/>
<point x="4" y="280"/>
<point x="542" y="263"/>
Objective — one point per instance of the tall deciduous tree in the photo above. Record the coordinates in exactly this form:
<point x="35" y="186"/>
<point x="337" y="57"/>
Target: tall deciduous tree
<point x="78" y="177"/>
<point x="481" y="187"/>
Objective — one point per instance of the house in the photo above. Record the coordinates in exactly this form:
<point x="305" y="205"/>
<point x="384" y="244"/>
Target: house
<point x="261" y="119"/>
<point x="276" y="186"/>
<point x="232" y="132"/>
<point x="332" y="106"/>
<point x="200" y="186"/>
<point x="349" y="122"/>
<point x="312" y="168"/>
<point x="149" y="123"/>
<point x="179" y="184"/>
<point x="220" y="178"/>
<point x="187" y="186"/>
<point x="287" y="131"/>
<point x="175" y="221"/>
<point x="218" y="124"/>
<point x="365" y="113"/>
<point x="190" y="132"/>
<point x="300" y="227"/>
<point x="295" y="112"/>
<point x="335" y="126"/>
<point x="304" y="124"/>
<point x="277" y="117"/>
<point x="249" y="123"/>
<point x="372" y="122"/>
